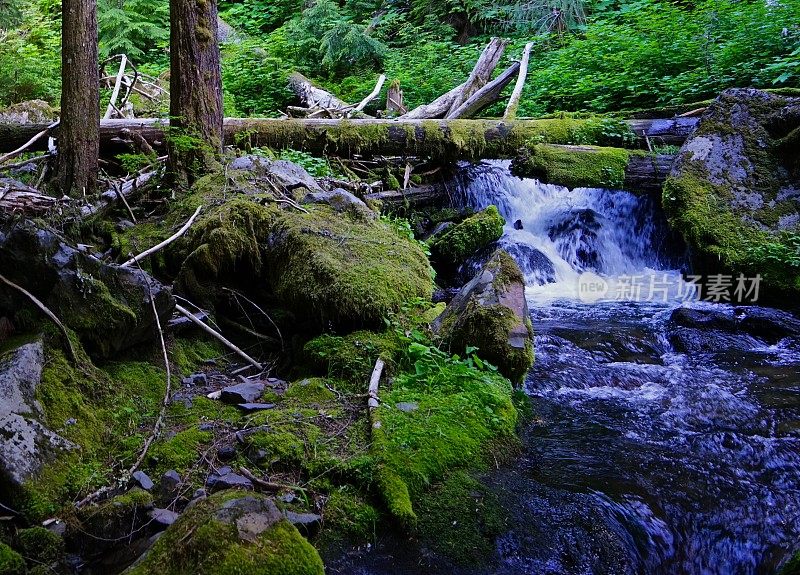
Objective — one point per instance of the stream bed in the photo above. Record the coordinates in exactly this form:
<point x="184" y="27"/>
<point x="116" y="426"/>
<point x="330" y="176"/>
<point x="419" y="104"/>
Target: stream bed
<point x="666" y="433"/>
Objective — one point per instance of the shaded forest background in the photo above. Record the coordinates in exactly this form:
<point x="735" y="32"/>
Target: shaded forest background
<point x="599" y="56"/>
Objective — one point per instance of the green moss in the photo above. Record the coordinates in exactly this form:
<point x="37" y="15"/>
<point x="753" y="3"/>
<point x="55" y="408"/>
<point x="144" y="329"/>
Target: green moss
<point x="199" y="543"/>
<point x="462" y="240"/>
<point x="461" y="519"/>
<point x="321" y="265"/>
<point x="352" y="357"/>
<point x="348" y="514"/>
<point x="310" y="391"/>
<point x="190" y="354"/>
<point x="41" y="543"/>
<point x="179" y="452"/>
<point x="590" y="167"/>
<point x="11" y="562"/>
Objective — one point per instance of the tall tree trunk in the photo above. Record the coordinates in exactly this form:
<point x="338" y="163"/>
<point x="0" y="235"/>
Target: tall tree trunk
<point x="195" y="143"/>
<point x="78" y="134"/>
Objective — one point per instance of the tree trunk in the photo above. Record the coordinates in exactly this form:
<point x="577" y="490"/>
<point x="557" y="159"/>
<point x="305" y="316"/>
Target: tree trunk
<point x="78" y="143"/>
<point x="195" y="142"/>
<point x="435" y="138"/>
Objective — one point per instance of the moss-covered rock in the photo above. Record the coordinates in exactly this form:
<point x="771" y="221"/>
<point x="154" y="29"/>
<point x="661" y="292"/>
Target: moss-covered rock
<point x="732" y="192"/>
<point x="231" y="533"/>
<point x="11" y="562"/>
<point x="107" y="306"/>
<point x="490" y="313"/>
<point x="329" y="268"/>
<point x="46" y="546"/>
<point x="460" y="241"/>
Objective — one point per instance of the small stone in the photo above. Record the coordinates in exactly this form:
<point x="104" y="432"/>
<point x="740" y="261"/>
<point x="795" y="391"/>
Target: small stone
<point x="143" y="480"/>
<point x="407" y="406"/>
<point x="287" y="497"/>
<point x="218" y="482"/>
<point x="170" y="483"/>
<point x="224" y="470"/>
<point x="255" y="406"/>
<point x="199" y="494"/>
<point x="226" y="453"/>
<point x="206" y="426"/>
<point x="71" y="421"/>
<point x="242" y="392"/>
<point x="162" y="518"/>
<point x="306" y="523"/>
<point x="195" y="379"/>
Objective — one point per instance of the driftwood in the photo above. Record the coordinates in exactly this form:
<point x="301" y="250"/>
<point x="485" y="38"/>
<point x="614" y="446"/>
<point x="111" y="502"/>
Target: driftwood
<point x="450" y="101"/>
<point x="432" y="138"/>
<point x="513" y="100"/>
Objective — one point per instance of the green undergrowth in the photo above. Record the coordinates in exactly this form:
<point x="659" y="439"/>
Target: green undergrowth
<point x="11" y="562"/>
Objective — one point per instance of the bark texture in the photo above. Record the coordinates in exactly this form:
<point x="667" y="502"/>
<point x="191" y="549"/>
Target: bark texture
<point x="78" y="143"/>
<point x="195" y="143"/>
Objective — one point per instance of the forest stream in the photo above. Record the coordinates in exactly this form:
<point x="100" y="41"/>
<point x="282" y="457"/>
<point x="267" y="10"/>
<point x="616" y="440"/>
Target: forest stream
<point x="663" y="436"/>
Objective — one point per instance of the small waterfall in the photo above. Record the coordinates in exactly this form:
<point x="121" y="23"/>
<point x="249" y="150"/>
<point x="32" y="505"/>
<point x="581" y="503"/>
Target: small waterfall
<point x="559" y="235"/>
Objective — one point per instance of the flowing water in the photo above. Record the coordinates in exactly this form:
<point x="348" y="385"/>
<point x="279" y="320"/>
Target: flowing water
<point x="667" y="441"/>
<point x="666" y="437"/>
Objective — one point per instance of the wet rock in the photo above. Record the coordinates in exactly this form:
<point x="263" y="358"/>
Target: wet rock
<point x="518" y="225"/>
<point x="575" y="236"/>
<point x="307" y="523"/>
<point x="232" y="529"/>
<point x="462" y="240"/>
<point x="441" y="227"/>
<point x="25" y="444"/>
<point x="445" y="295"/>
<point x="341" y="201"/>
<point x="491" y="313"/>
<point x="162" y="518"/>
<point x="242" y="393"/>
<point x="143" y="480"/>
<point x="225" y="478"/>
<point x="770" y="325"/>
<point x="107" y="306"/>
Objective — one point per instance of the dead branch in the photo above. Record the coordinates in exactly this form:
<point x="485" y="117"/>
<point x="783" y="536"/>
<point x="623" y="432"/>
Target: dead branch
<point x="219" y="336"/>
<point x="372" y="95"/>
<point x="117" y="84"/>
<point x="29" y="143"/>
<point x="374" y="380"/>
<point x="486" y="96"/>
<point x="166" y="242"/>
<point x="513" y="101"/>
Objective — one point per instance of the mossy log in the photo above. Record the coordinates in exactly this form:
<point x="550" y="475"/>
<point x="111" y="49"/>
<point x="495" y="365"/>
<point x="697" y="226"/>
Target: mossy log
<point x="594" y="167"/>
<point x="468" y="139"/>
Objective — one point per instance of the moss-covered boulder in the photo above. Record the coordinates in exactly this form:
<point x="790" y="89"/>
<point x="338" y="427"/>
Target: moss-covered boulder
<point x="333" y="269"/>
<point x="491" y="313"/>
<point x="453" y="246"/>
<point x="107" y="306"/>
<point x="231" y="533"/>
<point x="734" y="191"/>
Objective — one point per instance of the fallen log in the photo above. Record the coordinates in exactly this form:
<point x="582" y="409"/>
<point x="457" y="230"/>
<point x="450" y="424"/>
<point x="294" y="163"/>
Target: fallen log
<point x="486" y="96"/>
<point x="433" y="138"/>
<point x="594" y="167"/>
<point x="311" y="96"/>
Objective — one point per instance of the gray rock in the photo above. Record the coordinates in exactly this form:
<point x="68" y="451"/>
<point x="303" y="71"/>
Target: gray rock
<point x="229" y="480"/>
<point x="226" y="453"/>
<point x="307" y="523"/>
<point x="170" y="485"/>
<point x="143" y="480"/>
<point x="341" y="201"/>
<point x="251" y="515"/>
<point x="242" y="393"/>
<point x="195" y="379"/>
<point x="249" y="407"/>
<point x="162" y="518"/>
<point x="29" y="112"/>
<point x="25" y="444"/>
<point x="282" y="172"/>
<point x="407" y="406"/>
